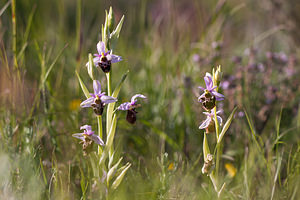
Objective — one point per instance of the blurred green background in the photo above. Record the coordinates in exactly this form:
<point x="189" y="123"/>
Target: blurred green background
<point x="167" y="46"/>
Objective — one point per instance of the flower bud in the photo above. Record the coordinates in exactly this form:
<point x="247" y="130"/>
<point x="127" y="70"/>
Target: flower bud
<point x="208" y="164"/>
<point x="90" y="67"/>
<point x="110" y="20"/>
<point x="218" y="76"/>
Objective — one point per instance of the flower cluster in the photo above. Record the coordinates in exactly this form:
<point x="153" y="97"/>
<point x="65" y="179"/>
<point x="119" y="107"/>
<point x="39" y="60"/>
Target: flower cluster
<point x="111" y="175"/>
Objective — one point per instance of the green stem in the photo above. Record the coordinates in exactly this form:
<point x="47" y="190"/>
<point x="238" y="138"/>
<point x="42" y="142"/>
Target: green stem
<point x="108" y="77"/>
<point x="219" y="149"/>
<point x="109" y="115"/>
<point x="99" y="119"/>
<point x="216" y="123"/>
<point x="218" y="145"/>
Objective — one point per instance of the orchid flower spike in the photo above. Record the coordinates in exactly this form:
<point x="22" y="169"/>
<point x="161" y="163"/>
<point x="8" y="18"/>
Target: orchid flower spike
<point x="104" y="59"/>
<point x="98" y="99"/>
<point x="130" y="107"/>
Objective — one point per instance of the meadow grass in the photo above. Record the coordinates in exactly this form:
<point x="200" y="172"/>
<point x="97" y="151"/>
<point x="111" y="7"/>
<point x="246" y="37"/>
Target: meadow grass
<point x="167" y="46"/>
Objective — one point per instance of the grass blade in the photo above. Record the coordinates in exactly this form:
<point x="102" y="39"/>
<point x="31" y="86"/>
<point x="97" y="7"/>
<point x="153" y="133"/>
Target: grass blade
<point x="226" y="126"/>
<point x="53" y="63"/>
<point x="83" y="87"/>
<point x="5" y="7"/>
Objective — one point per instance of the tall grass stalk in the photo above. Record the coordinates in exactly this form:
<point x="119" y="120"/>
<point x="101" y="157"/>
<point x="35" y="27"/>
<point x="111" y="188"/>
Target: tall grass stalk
<point x="14" y="36"/>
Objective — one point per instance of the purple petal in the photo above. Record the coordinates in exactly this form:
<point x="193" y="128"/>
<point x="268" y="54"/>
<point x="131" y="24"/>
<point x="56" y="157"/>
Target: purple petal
<point x="219" y="97"/>
<point x="89" y="132"/>
<point x="208" y="82"/>
<point x="219" y="111"/>
<point x="97" y="139"/>
<point x="205" y="124"/>
<point x="101" y="47"/>
<point x="97" y="87"/>
<point x="106" y="53"/>
<point x="133" y="99"/>
<point x="220" y="120"/>
<point x="87" y="103"/>
<point x="199" y="98"/>
<point x="201" y="88"/>
<point x="207" y="113"/>
<point x="79" y="136"/>
<point x="86" y="127"/>
<point x="107" y="99"/>
<point x="212" y="89"/>
<point x="96" y="60"/>
<point x="115" y="58"/>
<point x="124" y="106"/>
<point x="93" y="95"/>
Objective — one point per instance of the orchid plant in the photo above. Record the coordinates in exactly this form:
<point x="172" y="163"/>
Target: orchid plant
<point x="213" y="123"/>
<point x="108" y="169"/>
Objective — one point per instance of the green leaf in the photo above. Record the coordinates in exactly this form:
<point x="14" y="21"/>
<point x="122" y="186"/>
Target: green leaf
<point x="111" y="159"/>
<point x="114" y="36"/>
<point x="83" y="87"/>
<point x="226" y="126"/>
<point x="109" y="141"/>
<point x="116" y="32"/>
<point x="111" y="134"/>
<point x="112" y="171"/>
<point x="119" y="179"/>
<point x="206" y="150"/>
